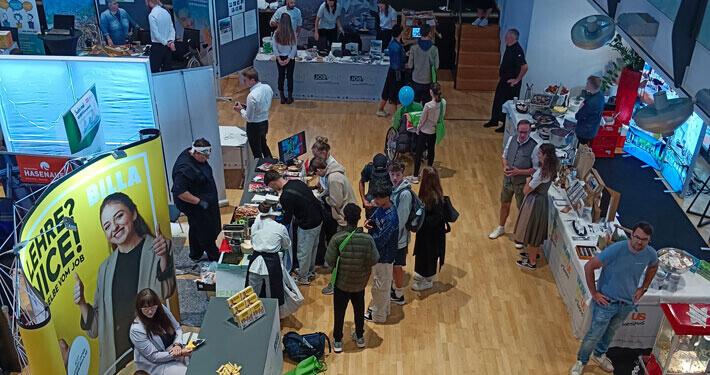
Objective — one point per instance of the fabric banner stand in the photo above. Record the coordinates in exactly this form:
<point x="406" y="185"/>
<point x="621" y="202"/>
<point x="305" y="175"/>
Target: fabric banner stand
<point x="22" y="14"/>
<point x="237" y="38"/>
<point x="86" y="17"/>
<point x="55" y="261"/>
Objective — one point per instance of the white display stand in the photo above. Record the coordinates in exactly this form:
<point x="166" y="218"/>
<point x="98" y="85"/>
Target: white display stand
<point x="640" y="328"/>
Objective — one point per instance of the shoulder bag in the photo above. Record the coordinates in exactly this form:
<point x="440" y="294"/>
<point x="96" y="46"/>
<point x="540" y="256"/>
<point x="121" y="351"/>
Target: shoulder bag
<point x="451" y="214"/>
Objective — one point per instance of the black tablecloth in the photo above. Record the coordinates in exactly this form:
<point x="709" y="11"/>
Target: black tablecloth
<point x="61" y="45"/>
<point x="225" y="342"/>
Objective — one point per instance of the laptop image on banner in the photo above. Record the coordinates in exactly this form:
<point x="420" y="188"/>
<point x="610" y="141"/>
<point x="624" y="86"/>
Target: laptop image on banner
<point x="63" y="25"/>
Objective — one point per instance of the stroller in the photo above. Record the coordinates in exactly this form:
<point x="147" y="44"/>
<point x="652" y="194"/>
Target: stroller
<point x="400" y="141"/>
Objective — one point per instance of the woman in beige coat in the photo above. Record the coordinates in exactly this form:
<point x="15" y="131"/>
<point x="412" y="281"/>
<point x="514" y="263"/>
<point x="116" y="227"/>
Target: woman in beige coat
<point x="139" y="260"/>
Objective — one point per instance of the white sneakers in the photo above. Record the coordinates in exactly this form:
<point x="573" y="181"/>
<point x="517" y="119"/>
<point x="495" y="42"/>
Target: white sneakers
<point x="577" y="368"/>
<point x="483" y="22"/>
<point x="519" y="246"/>
<point x="603" y="362"/>
<point x="499" y="231"/>
<point x="412" y="179"/>
<point x="423" y="284"/>
<point x="382" y="114"/>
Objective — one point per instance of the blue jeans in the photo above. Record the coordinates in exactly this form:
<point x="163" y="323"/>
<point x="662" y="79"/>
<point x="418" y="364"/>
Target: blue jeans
<point x="605" y="321"/>
<point x="307" y="248"/>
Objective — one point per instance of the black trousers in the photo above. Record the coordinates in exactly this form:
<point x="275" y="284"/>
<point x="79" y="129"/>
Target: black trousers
<point x="331" y="35"/>
<point x="385" y="35"/>
<point x="584" y="141"/>
<point x="421" y="92"/>
<point x="287" y="73"/>
<point x="200" y="240"/>
<point x="160" y="57"/>
<point x="424" y="142"/>
<point x="256" y="136"/>
<point x="340" y="306"/>
<point x="504" y="92"/>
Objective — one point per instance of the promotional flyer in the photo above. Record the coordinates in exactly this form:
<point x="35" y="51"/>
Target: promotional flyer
<point x="82" y="123"/>
<point x="120" y="208"/>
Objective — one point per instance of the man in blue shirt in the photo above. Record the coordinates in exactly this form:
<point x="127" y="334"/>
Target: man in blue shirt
<point x="384" y="229"/>
<point x="295" y="13"/>
<point x="589" y="116"/>
<point x="115" y="24"/>
<point x="617" y="291"/>
<point x="395" y="74"/>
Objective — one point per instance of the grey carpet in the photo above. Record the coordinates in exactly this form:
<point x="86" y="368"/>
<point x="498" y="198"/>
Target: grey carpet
<point x="183" y="263"/>
<point x="193" y="303"/>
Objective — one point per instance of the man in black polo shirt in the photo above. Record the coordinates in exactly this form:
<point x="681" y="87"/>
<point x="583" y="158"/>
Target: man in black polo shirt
<point x="512" y="70"/>
<point x="297" y="200"/>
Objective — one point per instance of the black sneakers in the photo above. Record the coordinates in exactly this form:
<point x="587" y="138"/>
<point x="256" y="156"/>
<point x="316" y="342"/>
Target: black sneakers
<point x="490" y="124"/>
<point x="398" y="300"/>
<point x="526" y="264"/>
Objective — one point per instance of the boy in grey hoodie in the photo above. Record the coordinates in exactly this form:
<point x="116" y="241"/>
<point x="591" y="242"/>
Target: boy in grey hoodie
<point x="402" y="199"/>
<point x="422" y="56"/>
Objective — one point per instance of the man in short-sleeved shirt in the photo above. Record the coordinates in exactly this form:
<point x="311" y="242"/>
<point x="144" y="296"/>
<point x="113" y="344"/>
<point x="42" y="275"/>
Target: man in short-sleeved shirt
<point x="512" y="70"/>
<point x="295" y="13"/>
<point x="616" y="292"/>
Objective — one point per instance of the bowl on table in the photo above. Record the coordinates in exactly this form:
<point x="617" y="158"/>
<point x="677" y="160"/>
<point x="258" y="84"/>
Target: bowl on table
<point x="674" y="260"/>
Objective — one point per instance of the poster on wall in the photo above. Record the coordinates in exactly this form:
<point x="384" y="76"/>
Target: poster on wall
<point x="89" y="276"/>
<point x="83" y="125"/>
<point x="225" y="30"/>
<point x="194" y="14"/>
<point x="20" y="14"/>
<point x="85" y="18"/>
<point x="235" y="6"/>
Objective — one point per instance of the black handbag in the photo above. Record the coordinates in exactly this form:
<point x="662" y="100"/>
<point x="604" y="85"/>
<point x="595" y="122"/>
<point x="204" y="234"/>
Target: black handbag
<point x="451" y="214"/>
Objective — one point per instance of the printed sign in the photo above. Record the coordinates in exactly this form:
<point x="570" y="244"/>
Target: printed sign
<point x="40" y="169"/>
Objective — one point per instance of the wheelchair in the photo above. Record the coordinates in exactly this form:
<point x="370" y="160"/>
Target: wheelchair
<point x="399" y="142"/>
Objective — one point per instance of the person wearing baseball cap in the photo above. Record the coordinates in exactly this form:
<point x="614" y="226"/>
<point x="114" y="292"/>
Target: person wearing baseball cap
<point x="371" y="174"/>
<point x="195" y="194"/>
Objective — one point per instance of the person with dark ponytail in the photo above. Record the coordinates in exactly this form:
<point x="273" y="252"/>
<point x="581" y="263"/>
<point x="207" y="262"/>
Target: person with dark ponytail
<point x="426" y="131"/>
<point x="531" y="227"/>
<point x="157" y="338"/>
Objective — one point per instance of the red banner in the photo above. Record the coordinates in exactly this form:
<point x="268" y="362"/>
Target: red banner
<point x="40" y="169"/>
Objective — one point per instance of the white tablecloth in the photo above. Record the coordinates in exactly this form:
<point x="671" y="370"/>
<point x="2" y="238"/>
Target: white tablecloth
<point x="640" y="328"/>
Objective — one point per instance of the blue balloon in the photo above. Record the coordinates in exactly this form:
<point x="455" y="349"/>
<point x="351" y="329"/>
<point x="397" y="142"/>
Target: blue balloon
<point x="406" y="95"/>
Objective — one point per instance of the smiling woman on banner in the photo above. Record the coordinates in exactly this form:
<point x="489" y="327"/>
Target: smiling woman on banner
<point x="138" y="260"/>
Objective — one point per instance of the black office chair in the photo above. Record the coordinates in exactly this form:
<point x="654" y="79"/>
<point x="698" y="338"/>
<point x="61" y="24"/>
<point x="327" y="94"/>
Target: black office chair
<point x="175" y="215"/>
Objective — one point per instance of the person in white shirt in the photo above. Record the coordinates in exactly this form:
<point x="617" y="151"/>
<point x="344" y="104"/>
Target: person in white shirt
<point x="388" y="18"/>
<point x="293" y="12"/>
<point x="162" y="36"/>
<point x="285" y="49"/>
<point x="327" y="18"/>
<point x="256" y="113"/>
<point x="268" y="238"/>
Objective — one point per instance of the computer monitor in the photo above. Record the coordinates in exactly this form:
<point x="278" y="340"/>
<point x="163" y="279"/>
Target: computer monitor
<point x="192" y="38"/>
<point x="63" y="22"/>
<point x="416" y="32"/>
<point x="292" y="147"/>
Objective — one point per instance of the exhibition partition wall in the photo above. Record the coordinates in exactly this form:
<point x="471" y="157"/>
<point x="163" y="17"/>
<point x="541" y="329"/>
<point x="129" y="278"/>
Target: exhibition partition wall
<point x="22" y="14"/>
<point x="238" y="34"/>
<point x="187" y="111"/>
<point x="37" y="91"/>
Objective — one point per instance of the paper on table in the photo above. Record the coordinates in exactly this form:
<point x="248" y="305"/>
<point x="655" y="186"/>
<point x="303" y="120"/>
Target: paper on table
<point x="232" y="136"/>
<point x="258" y="198"/>
<point x="271" y="198"/>
<point x="250" y="22"/>
<point x="225" y="30"/>
<point x="238" y="26"/>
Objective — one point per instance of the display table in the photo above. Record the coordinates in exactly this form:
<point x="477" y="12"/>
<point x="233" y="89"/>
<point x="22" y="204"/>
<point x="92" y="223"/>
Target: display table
<point x="61" y="45"/>
<point x="640" y="328"/>
<point x="344" y="80"/>
<point x="251" y="173"/>
<point x="6" y="51"/>
<point x="256" y="348"/>
<point x="513" y="117"/>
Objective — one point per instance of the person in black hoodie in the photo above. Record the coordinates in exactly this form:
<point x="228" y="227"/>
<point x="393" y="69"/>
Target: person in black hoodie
<point x="430" y="245"/>
<point x="297" y="200"/>
<point x="195" y="194"/>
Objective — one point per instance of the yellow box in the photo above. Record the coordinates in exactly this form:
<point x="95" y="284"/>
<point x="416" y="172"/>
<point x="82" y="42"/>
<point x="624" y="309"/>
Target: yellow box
<point x="253" y="298"/>
<point x="5" y="39"/>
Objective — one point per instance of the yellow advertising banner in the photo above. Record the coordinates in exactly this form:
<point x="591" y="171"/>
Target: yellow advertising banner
<point x="90" y="276"/>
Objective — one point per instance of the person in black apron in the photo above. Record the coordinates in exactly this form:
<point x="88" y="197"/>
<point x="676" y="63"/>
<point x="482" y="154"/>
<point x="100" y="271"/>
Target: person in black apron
<point x="268" y="238"/>
<point x="195" y="194"/>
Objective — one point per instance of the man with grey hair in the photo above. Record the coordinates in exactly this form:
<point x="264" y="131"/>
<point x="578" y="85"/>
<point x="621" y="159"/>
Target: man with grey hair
<point x="116" y="23"/>
<point x="512" y="70"/>
<point x="589" y="116"/>
<point x="519" y="161"/>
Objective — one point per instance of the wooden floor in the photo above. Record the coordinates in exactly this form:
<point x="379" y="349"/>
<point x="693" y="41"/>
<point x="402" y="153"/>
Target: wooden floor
<point x="484" y="315"/>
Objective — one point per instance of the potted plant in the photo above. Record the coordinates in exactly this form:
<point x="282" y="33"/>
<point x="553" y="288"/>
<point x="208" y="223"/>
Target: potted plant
<point x="627" y="74"/>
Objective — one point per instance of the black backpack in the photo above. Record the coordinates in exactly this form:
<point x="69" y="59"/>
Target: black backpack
<point x="415" y="220"/>
<point x="299" y="347"/>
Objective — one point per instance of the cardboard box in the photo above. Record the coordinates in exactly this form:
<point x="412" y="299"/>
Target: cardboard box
<point x="5" y="39"/>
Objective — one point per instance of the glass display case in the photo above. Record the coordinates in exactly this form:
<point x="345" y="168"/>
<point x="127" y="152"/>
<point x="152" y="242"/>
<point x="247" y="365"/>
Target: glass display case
<point x="683" y="343"/>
